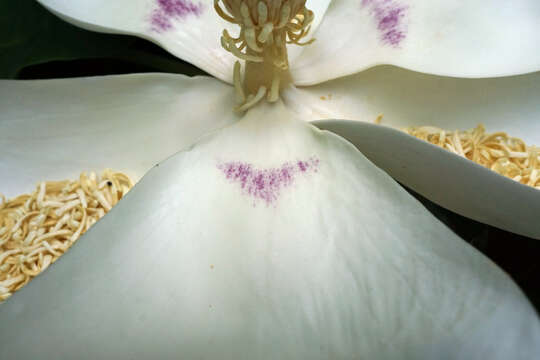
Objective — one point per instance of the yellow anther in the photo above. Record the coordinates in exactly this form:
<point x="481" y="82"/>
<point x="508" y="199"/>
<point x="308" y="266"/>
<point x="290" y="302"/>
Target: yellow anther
<point x="251" y="40"/>
<point x="265" y="32"/>
<point x="263" y="13"/>
<point x="285" y="13"/>
<point x="244" y="10"/>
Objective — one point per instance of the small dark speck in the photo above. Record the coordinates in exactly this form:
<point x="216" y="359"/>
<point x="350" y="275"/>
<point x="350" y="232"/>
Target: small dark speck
<point x="109" y="183"/>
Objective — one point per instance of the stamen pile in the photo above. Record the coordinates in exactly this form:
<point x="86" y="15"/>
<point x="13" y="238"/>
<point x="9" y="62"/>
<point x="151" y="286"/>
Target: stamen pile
<point x="505" y="155"/>
<point x="36" y="229"/>
<point x="266" y="26"/>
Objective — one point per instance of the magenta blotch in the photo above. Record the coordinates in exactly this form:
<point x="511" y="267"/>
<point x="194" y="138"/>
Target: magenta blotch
<point x="266" y="184"/>
<point x="389" y="15"/>
<point x="168" y="10"/>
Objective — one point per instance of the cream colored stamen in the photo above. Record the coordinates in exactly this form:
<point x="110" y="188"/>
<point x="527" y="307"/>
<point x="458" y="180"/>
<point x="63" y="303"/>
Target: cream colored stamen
<point x="499" y="152"/>
<point x="36" y="229"/>
<point x="252" y="100"/>
<point x="237" y="80"/>
<point x="266" y="27"/>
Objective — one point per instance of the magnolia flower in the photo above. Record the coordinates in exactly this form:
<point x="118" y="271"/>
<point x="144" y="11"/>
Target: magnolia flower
<point x="268" y="238"/>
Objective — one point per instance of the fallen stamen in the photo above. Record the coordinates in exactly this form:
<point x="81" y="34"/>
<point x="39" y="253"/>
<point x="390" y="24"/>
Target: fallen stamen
<point x="508" y="156"/>
<point x="33" y="235"/>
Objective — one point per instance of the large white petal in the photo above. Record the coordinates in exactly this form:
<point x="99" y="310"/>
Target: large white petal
<point x="54" y="129"/>
<point x="463" y="38"/>
<point x="330" y="259"/>
<point x="189" y="29"/>
<point x="412" y="99"/>
<point x="319" y="8"/>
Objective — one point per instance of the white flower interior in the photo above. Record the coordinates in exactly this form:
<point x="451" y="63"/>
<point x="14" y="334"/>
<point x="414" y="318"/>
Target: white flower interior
<point x="212" y="256"/>
<point x="270" y="239"/>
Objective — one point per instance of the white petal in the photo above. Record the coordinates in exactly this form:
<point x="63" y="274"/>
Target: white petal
<point x="319" y="8"/>
<point x="189" y="29"/>
<point x="54" y="129"/>
<point x="455" y="38"/>
<point x="336" y="261"/>
<point x="411" y="99"/>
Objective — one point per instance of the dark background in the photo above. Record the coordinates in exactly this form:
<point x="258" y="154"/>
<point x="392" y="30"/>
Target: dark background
<point x="36" y="45"/>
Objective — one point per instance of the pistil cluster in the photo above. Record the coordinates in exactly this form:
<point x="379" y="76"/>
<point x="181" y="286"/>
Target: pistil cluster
<point x="266" y="27"/>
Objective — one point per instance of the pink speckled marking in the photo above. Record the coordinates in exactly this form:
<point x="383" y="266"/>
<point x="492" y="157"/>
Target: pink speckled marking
<point x="389" y="15"/>
<point x="169" y="10"/>
<point x="266" y="184"/>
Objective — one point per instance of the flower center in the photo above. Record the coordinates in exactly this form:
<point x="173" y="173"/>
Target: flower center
<point x="266" y="27"/>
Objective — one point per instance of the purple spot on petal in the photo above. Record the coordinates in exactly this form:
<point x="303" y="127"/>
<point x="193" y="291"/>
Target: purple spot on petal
<point x="394" y="37"/>
<point x="389" y="15"/>
<point x="169" y="10"/>
<point x="160" y="22"/>
<point x="266" y="184"/>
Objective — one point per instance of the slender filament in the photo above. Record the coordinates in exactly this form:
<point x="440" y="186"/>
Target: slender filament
<point x="266" y="27"/>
